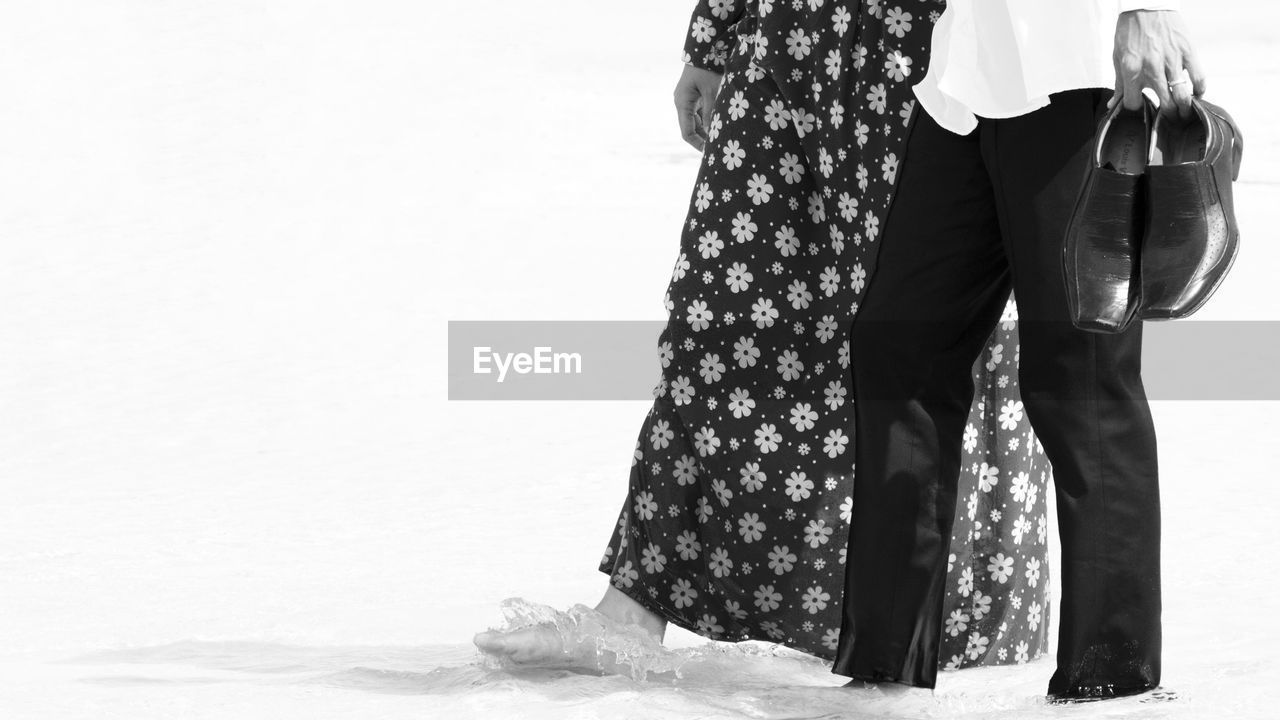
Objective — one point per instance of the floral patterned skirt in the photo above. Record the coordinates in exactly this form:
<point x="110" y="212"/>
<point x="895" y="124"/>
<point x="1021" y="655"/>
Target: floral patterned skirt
<point x="736" y="519"/>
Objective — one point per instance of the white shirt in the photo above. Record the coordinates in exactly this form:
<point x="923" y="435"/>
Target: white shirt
<point x="1002" y="58"/>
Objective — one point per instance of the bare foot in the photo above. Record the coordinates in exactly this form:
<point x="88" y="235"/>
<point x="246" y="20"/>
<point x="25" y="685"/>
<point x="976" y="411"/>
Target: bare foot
<point x="543" y="645"/>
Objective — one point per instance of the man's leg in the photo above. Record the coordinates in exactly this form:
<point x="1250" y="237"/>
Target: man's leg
<point x="1084" y="397"/>
<point x="938" y="289"/>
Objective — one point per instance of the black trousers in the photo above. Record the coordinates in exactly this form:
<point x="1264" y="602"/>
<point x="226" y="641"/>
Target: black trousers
<point x="974" y="217"/>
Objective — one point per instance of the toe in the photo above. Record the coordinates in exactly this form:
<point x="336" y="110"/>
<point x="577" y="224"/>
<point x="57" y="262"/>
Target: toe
<point x="489" y="641"/>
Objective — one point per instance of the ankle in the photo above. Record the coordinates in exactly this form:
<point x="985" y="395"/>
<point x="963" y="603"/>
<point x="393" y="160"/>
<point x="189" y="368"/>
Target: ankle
<point x="621" y="608"/>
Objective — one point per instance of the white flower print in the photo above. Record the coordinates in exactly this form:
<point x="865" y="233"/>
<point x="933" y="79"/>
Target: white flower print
<point x="825" y="331"/>
<point x="876" y="98"/>
<point x="835" y="442"/>
<point x="686" y="470"/>
<point x="710" y="245"/>
<point x="767" y="438"/>
<point x="723" y="493"/>
<point x="660" y="435"/>
<point x="699" y="317"/>
<point x="745" y="352"/>
<point x="897" y="66"/>
<point x="764" y="313"/>
<point x="840" y="20"/>
<point x="846" y="514"/>
<point x="752" y="477"/>
<point x="830" y="281"/>
<point x="791" y="168"/>
<point x="1021" y="527"/>
<point x="994" y="357"/>
<point x="722" y="8"/>
<point x="703" y="30"/>
<point x="831" y="640"/>
<point x="743" y="229"/>
<point x="815" y="599"/>
<point x="799" y="486"/>
<point x="733" y="155"/>
<point x="848" y="206"/>
<point x="750" y="527"/>
<point x="626" y="576"/>
<point x="787" y="241"/>
<point x="682" y="391"/>
<point x="789" y="365"/>
<point x="835" y="393"/>
<point x="682" y="593"/>
<point x="738" y="277"/>
<point x="803" y="121"/>
<point x="707" y="624"/>
<point x="957" y="623"/>
<point x="740" y="403"/>
<point x="1000" y="567"/>
<point x="872" y="226"/>
<point x="859" y="277"/>
<point x="1011" y="414"/>
<point x="897" y="22"/>
<point x="1033" y="572"/>
<point x="817" y="533"/>
<point x="826" y="164"/>
<point x="665" y="354"/>
<point x="767" y="599"/>
<point x="889" y="168"/>
<point x="703" y="200"/>
<point x="803" y="418"/>
<point x="706" y="441"/>
<point x="799" y="295"/>
<point x="817" y="211"/>
<point x="981" y="605"/>
<point x="777" y="115"/>
<point x="977" y="645"/>
<point x="719" y="562"/>
<point x="759" y="189"/>
<point x="988" y="476"/>
<point x="652" y="559"/>
<point x="687" y="545"/>
<point x="1033" y="616"/>
<point x="1020" y="486"/>
<point x="799" y="44"/>
<point x="781" y="559"/>
<point x="965" y="582"/>
<point x="711" y="368"/>
<point x="704" y="510"/>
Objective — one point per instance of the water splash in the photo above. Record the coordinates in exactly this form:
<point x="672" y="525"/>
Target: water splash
<point x="593" y="642"/>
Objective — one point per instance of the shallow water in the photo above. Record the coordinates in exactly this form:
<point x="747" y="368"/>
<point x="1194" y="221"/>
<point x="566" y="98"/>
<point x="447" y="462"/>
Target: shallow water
<point x="716" y="680"/>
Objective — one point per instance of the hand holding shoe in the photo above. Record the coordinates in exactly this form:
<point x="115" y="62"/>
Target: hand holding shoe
<point x="1153" y="51"/>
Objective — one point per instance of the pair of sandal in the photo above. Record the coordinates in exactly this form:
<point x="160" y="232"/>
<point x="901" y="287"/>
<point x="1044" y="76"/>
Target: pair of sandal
<point x="1154" y="231"/>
